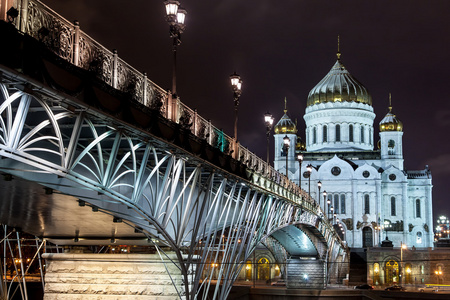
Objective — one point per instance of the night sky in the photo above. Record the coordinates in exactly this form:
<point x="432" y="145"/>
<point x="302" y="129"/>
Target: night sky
<point x="283" y="49"/>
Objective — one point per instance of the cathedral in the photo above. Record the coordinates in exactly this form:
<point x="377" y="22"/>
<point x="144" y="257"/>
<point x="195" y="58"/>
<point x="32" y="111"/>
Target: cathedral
<point x="361" y="185"/>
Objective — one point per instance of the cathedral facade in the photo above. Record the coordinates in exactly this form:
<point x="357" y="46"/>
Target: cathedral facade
<point x="361" y="186"/>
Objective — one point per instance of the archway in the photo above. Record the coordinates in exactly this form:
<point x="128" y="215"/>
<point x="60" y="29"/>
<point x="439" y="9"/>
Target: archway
<point x="263" y="269"/>
<point x="391" y="272"/>
<point x="408" y="274"/>
<point x="376" y="274"/>
<point x="367" y="237"/>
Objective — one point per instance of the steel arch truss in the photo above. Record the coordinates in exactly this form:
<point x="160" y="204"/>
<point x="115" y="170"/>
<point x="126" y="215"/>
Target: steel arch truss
<point x="211" y="220"/>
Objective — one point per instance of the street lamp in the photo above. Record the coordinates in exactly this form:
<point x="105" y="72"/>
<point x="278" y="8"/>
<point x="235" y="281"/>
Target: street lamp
<point x="328" y="207"/>
<point x="300" y="160"/>
<point x="268" y="120"/>
<point x="309" y="169"/>
<point x="325" y="199"/>
<point x="175" y="16"/>
<point x="402" y="247"/>
<point x="286" y="143"/>
<point x="332" y="209"/>
<point x="319" y="185"/>
<point x="236" y="85"/>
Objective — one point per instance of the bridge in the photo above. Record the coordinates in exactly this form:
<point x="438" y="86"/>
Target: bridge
<point x="92" y="152"/>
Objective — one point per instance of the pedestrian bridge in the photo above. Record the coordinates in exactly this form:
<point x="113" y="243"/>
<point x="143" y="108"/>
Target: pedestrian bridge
<point x="94" y="153"/>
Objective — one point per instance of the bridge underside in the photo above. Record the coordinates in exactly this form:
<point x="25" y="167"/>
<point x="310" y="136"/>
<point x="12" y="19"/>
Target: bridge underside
<point x="59" y="218"/>
<point x="295" y="241"/>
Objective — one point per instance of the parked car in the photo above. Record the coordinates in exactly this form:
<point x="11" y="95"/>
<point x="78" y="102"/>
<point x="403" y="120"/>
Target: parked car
<point x="395" y="287"/>
<point x="363" y="287"/>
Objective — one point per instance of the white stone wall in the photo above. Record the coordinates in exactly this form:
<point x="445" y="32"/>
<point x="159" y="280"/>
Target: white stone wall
<point x="110" y="276"/>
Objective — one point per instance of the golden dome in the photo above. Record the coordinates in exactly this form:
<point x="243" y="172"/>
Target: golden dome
<point x="390" y="121"/>
<point x="285" y="125"/>
<point x="339" y="86"/>
<point x="300" y="145"/>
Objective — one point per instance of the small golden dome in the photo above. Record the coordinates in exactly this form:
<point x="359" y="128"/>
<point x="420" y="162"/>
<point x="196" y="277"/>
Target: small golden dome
<point x="390" y="121"/>
<point x="285" y="125"/>
<point x="300" y="145"/>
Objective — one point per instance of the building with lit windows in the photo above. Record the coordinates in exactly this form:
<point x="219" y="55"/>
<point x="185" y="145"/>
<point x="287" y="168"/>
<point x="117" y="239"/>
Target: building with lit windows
<point x="358" y="179"/>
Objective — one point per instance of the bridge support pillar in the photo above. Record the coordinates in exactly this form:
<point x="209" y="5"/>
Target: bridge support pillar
<point x="110" y="276"/>
<point x="305" y="273"/>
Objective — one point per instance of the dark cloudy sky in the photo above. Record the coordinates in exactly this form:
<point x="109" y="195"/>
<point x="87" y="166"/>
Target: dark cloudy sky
<point x="282" y="49"/>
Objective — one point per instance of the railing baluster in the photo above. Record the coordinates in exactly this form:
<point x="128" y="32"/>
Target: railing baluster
<point x="76" y="43"/>
<point x="115" y="69"/>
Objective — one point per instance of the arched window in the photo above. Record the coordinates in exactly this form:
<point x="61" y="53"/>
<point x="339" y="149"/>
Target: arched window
<point x="338" y="133"/>
<point x="418" y="215"/>
<point x="325" y="134"/>
<point x="336" y="203"/>
<point x="366" y="204"/>
<point x="362" y="134"/>
<point x="393" y="212"/>
<point x="342" y="204"/>
<point x="419" y="237"/>
<point x="350" y="133"/>
<point x="314" y="135"/>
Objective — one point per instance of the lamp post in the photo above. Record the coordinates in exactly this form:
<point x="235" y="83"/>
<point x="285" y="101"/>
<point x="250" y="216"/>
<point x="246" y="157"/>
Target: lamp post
<point x="175" y="16"/>
<point x="332" y="218"/>
<point x="319" y="185"/>
<point x="268" y="120"/>
<point x="309" y="169"/>
<point x="300" y="160"/>
<point x="236" y="85"/>
<point x="328" y="208"/>
<point x="286" y="143"/>
<point x="324" y="200"/>
<point x="402" y="247"/>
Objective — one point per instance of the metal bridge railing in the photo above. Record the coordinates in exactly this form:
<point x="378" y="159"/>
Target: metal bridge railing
<point x="69" y="42"/>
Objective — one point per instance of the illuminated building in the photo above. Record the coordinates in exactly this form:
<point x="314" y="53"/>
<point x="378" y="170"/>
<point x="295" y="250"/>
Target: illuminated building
<point x="366" y="184"/>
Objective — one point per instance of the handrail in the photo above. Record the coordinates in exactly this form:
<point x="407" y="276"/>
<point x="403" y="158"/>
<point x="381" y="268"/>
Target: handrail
<point x="69" y="42"/>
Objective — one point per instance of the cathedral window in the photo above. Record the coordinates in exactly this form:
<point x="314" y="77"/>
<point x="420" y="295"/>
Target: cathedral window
<point x="366" y="204"/>
<point x="314" y="135"/>
<point x="418" y="214"/>
<point x="342" y="204"/>
<point x="393" y="212"/>
<point x="350" y="133"/>
<point x="325" y="134"/>
<point x="336" y="203"/>
<point x="362" y="134"/>
<point x="338" y="133"/>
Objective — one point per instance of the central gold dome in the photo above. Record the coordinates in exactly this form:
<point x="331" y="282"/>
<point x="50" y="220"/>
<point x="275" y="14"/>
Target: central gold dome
<point x="339" y="86"/>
